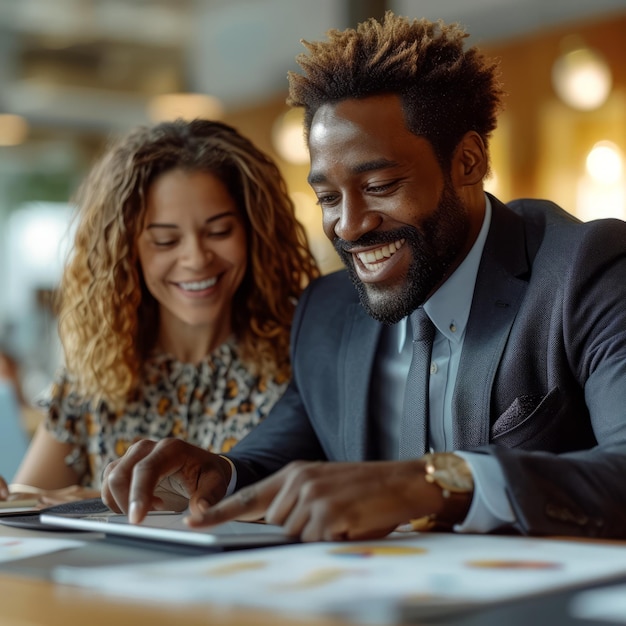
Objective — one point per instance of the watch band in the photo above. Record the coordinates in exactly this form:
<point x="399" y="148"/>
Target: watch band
<point x="453" y="476"/>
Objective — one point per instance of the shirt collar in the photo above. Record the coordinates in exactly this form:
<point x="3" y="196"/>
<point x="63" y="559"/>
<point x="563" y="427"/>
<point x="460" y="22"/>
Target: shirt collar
<point x="449" y="307"/>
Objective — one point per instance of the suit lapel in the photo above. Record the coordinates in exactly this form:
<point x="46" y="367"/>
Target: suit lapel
<point x="357" y="354"/>
<point x="500" y="288"/>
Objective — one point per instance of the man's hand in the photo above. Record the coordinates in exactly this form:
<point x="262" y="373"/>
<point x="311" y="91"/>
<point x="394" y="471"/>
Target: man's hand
<point x="167" y="475"/>
<point x="332" y="501"/>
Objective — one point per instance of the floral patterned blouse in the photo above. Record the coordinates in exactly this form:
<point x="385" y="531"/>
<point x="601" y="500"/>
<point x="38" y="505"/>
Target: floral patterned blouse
<point x="213" y="405"/>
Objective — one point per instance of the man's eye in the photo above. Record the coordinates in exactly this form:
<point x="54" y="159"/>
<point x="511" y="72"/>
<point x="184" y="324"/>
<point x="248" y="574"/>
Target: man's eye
<point x="326" y="199"/>
<point x="380" y="188"/>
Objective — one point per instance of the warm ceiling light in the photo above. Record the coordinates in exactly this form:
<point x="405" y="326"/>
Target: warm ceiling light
<point x="604" y="162"/>
<point x="13" y="129"/>
<point x="288" y="137"/>
<point x="582" y="79"/>
<point x="601" y="192"/>
<point x="188" y="106"/>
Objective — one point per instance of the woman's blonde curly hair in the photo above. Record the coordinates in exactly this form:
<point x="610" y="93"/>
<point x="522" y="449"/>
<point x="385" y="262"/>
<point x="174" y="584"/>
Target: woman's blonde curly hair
<point x="108" y="321"/>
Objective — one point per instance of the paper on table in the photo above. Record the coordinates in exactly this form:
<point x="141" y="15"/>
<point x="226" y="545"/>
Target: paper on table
<point x="342" y="578"/>
<point x="607" y="604"/>
<point x="21" y="503"/>
<point x="14" y="548"/>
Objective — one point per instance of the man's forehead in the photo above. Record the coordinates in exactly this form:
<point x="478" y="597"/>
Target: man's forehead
<point x="371" y="115"/>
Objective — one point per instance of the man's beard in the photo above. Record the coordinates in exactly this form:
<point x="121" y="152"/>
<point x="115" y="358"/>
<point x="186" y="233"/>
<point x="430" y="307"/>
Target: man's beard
<point x="434" y="250"/>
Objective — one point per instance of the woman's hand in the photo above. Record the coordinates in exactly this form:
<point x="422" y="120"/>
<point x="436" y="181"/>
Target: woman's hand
<point x="4" y="489"/>
<point x="50" y="497"/>
<point x="18" y="497"/>
<point x="45" y="497"/>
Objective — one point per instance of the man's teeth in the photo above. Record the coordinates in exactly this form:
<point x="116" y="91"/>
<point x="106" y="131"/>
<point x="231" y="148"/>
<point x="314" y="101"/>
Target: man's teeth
<point x="199" y="285"/>
<point x="372" y="257"/>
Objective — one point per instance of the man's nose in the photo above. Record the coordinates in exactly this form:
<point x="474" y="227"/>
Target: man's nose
<point x="355" y="219"/>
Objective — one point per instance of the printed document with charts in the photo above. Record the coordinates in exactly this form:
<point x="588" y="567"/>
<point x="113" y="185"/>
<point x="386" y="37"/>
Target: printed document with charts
<point x="433" y="571"/>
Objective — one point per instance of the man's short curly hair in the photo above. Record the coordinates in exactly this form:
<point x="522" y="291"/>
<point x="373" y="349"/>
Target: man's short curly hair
<point x="446" y="90"/>
<point x="108" y="320"/>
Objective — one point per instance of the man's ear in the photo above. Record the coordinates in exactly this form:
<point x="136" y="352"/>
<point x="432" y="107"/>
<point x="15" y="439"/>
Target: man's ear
<point x="469" y="162"/>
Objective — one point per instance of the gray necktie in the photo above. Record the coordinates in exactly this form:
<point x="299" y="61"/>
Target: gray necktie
<point x="414" y="426"/>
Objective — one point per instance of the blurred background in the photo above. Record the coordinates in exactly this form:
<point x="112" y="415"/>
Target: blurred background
<point x="73" y="73"/>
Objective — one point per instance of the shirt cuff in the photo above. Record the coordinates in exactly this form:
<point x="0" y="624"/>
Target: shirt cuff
<point x="490" y="508"/>
<point x="233" y="476"/>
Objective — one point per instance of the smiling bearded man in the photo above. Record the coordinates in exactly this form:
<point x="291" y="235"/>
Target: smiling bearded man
<point x="434" y="251"/>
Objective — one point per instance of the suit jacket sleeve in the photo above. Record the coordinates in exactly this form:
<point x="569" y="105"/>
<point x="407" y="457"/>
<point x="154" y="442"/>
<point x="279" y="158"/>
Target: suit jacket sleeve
<point x="580" y="490"/>
<point x="286" y="433"/>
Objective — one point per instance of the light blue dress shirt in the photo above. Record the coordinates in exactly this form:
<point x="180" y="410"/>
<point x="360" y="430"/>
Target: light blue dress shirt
<point x="448" y="309"/>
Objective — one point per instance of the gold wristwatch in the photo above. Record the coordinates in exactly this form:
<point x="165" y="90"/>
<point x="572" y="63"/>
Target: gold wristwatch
<point x="453" y="476"/>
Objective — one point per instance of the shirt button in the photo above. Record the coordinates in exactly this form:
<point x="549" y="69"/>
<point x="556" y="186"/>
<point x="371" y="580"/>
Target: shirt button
<point x="453" y="327"/>
<point x="433" y="368"/>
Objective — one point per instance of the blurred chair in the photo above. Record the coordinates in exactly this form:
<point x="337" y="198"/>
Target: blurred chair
<point x="14" y="440"/>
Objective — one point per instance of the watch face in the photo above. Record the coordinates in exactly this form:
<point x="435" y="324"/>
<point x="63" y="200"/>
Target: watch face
<point x="454" y="477"/>
<point x="449" y="471"/>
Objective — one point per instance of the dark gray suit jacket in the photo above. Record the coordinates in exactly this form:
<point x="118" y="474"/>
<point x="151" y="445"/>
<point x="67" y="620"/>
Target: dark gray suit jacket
<point x="541" y="383"/>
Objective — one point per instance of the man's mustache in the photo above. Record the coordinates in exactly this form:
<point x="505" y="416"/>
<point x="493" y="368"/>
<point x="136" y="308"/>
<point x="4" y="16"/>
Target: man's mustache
<point x="376" y="239"/>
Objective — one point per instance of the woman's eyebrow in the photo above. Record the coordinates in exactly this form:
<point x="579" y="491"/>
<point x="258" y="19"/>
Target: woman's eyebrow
<point x="213" y="218"/>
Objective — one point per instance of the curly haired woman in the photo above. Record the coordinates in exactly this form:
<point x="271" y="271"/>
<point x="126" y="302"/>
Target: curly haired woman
<point x="176" y="304"/>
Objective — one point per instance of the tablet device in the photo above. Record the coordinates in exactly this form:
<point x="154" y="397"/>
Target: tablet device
<point x="169" y="528"/>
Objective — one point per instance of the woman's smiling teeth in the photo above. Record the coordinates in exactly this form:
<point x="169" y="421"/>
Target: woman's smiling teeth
<point x="198" y="285"/>
<point x="372" y="258"/>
